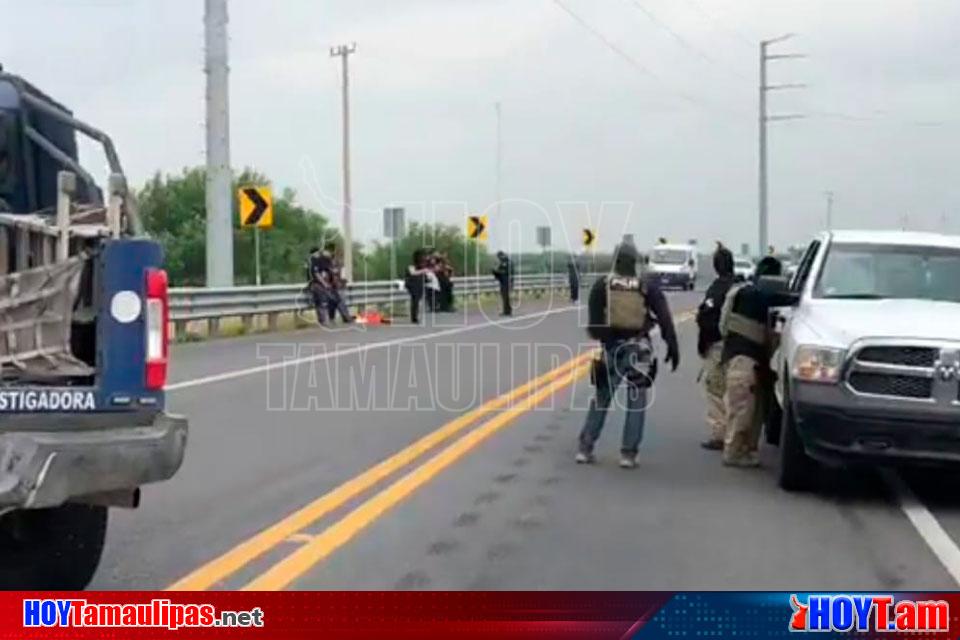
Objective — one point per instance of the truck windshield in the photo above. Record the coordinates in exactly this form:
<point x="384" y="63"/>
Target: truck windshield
<point x="668" y="256"/>
<point x="868" y="271"/>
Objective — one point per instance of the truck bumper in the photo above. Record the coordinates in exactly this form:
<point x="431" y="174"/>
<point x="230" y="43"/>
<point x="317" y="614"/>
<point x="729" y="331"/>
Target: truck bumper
<point x="41" y="469"/>
<point x="835" y="435"/>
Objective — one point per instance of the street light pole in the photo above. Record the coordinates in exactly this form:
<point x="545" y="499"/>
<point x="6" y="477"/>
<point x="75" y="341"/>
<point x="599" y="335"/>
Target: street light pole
<point x="762" y="187"/>
<point x="499" y="157"/>
<point x="219" y="177"/>
<point x="344" y="52"/>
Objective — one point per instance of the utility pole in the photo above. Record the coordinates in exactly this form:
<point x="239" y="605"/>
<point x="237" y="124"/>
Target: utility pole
<point x="344" y="52"/>
<point x="219" y="181"/>
<point x="499" y="157"/>
<point x="829" y="195"/>
<point x="763" y="120"/>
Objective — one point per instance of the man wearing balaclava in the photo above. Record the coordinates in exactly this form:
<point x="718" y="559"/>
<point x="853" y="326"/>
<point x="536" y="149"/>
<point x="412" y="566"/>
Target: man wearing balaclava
<point x="746" y="361"/>
<point x="623" y="310"/>
<point x="710" y="346"/>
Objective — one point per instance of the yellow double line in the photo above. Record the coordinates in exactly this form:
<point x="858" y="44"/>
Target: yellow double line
<point x="317" y="547"/>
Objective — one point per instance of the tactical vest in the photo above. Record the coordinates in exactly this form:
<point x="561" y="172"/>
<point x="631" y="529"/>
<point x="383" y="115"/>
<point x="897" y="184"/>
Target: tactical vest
<point x="733" y="322"/>
<point x="626" y="303"/>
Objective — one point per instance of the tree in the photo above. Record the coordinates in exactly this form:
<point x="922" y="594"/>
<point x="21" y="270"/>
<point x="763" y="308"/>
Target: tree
<point x="389" y="260"/>
<point x="173" y="209"/>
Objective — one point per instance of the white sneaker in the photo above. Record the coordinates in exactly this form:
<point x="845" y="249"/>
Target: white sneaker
<point x="585" y="458"/>
<point x="628" y="462"/>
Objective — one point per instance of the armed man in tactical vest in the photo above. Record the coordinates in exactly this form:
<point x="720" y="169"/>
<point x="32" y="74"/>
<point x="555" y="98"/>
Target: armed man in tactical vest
<point x="710" y="347"/>
<point x="746" y="358"/>
<point x="622" y="311"/>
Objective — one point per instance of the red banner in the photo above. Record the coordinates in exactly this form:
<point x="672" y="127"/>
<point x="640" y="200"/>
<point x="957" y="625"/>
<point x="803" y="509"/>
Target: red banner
<point x="303" y="615"/>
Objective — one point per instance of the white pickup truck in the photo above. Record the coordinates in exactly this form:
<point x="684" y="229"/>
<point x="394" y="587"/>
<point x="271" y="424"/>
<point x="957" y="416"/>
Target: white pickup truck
<point x="868" y="364"/>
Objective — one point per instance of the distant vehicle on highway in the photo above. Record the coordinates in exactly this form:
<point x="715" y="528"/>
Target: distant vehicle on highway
<point x="868" y="366"/>
<point x="673" y="265"/>
<point x="743" y="268"/>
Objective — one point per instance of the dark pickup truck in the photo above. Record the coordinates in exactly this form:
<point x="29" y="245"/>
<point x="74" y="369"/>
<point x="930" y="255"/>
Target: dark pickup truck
<point x="83" y="348"/>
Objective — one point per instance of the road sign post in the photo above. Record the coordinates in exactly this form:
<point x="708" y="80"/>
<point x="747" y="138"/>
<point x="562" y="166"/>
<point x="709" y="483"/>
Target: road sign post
<point x="256" y="254"/>
<point x="544" y="240"/>
<point x="256" y="210"/>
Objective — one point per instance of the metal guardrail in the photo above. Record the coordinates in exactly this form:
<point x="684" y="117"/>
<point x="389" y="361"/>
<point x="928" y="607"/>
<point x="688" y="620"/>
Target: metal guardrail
<point x="212" y="304"/>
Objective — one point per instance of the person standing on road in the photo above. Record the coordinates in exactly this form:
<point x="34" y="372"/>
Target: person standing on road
<point x="504" y="275"/>
<point x="338" y="289"/>
<point x="445" y="275"/>
<point x="746" y="361"/>
<point x="622" y="311"/>
<point x="416" y="282"/>
<point x="573" y="279"/>
<point x="710" y="346"/>
<point x="320" y="285"/>
<point x="432" y="291"/>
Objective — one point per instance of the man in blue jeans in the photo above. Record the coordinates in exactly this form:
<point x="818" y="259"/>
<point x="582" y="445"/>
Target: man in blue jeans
<point x="623" y="310"/>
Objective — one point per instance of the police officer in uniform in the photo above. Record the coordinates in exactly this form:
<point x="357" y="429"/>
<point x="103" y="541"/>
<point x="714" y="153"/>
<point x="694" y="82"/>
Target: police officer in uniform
<point x="504" y="275"/>
<point x="623" y="311"/>
<point x="319" y="282"/>
<point x="710" y="346"/>
<point x="573" y="279"/>
<point x="746" y="361"/>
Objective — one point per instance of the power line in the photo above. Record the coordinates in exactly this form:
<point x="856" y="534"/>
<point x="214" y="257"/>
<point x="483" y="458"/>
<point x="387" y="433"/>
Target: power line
<point x="609" y="43"/>
<point x="686" y="44"/>
<point x="836" y="115"/>
<point x="615" y="48"/>
<point x="750" y="42"/>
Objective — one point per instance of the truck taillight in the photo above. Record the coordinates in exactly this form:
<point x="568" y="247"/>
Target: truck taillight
<point x="157" y="322"/>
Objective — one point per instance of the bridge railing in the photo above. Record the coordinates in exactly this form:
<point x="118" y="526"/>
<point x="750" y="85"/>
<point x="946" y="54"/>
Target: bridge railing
<point x="213" y="304"/>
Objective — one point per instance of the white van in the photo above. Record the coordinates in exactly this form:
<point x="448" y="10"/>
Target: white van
<point x="673" y="265"/>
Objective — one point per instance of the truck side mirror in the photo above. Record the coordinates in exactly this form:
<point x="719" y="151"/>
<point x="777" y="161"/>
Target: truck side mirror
<point x="691" y="263"/>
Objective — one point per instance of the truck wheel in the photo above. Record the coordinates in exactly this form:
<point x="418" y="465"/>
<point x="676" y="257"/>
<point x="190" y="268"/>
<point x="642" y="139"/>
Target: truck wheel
<point x="51" y="549"/>
<point x="797" y="469"/>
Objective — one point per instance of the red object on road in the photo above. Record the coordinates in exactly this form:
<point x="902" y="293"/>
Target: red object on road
<point x="372" y="317"/>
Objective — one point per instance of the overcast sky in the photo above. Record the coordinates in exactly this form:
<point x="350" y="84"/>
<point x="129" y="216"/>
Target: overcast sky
<point x="659" y="122"/>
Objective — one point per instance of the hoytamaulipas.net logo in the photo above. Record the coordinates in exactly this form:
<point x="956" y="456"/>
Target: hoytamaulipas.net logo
<point x="868" y="613"/>
<point x="63" y="612"/>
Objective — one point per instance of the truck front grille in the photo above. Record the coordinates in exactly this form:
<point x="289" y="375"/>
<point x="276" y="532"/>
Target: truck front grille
<point x="900" y="355"/>
<point x="883" y="384"/>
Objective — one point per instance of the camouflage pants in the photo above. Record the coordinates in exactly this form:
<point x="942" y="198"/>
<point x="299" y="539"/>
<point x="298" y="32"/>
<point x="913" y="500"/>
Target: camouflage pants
<point x="740" y="401"/>
<point x="713" y="387"/>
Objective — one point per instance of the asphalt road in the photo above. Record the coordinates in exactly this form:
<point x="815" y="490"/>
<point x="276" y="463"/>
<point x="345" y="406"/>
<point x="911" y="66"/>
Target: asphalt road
<point x="307" y="468"/>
